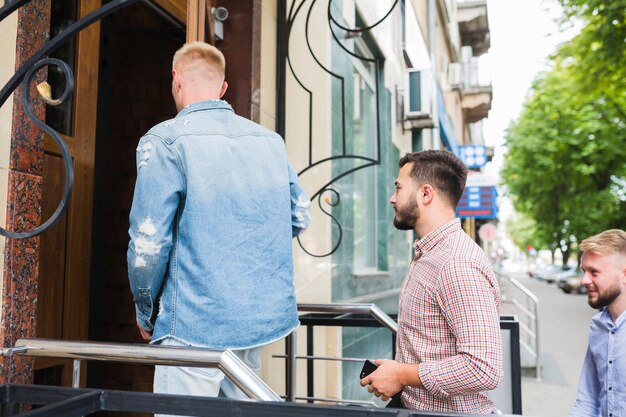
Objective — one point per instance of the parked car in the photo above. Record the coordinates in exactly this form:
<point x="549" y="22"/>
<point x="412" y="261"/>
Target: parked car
<point x="571" y="283"/>
<point x="554" y="273"/>
<point x="542" y="270"/>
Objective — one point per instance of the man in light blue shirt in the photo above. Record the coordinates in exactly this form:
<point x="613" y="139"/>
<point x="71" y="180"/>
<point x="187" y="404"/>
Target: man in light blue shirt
<point x="215" y="208"/>
<point x="602" y="389"/>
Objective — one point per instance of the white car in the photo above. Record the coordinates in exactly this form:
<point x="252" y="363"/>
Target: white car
<point x="572" y="284"/>
<point x="554" y="273"/>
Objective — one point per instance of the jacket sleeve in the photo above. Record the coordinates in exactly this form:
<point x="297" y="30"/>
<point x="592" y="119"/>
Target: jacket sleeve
<point x="300" y="205"/>
<point x="466" y="298"/>
<point x="587" y="399"/>
<point x="159" y="190"/>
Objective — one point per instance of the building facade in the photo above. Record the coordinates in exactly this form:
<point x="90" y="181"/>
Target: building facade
<point x="351" y="85"/>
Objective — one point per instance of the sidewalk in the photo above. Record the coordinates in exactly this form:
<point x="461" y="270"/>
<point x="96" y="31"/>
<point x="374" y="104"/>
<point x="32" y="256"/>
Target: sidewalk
<point x="563" y="334"/>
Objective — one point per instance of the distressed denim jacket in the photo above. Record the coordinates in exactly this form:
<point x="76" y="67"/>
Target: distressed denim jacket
<point x="215" y="208"/>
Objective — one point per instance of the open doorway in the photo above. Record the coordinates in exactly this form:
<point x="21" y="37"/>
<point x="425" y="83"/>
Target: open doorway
<point x="134" y="94"/>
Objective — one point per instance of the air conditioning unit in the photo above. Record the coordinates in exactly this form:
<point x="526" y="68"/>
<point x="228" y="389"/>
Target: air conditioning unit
<point x="418" y="99"/>
<point x="455" y="75"/>
<point x="419" y="96"/>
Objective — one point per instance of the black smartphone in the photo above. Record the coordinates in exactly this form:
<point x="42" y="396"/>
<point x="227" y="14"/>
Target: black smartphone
<point x="368" y="368"/>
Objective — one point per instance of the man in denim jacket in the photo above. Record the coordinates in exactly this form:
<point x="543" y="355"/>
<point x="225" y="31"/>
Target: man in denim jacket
<point x="215" y="208"/>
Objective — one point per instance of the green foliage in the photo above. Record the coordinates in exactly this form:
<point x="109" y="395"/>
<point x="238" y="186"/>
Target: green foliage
<point x="599" y="52"/>
<point x="566" y="164"/>
<point x="566" y="158"/>
<point x="523" y="231"/>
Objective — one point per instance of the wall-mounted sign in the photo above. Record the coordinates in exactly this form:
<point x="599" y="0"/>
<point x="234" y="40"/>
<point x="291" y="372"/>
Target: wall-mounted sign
<point x="478" y="203"/>
<point x="473" y="156"/>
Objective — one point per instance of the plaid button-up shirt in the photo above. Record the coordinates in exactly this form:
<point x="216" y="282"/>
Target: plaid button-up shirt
<point x="448" y="323"/>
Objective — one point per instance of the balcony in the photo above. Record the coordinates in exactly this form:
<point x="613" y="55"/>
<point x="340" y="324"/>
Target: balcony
<point x="476" y="90"/>
<point x="474" y="25"/>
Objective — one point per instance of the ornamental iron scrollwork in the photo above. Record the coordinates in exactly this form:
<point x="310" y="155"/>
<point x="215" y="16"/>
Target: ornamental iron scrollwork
<point x="287" y="20"/>
<point x="331" y="203"/>
<point x="25" y="75"/>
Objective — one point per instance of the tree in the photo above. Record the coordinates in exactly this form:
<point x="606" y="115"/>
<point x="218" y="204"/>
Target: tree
<point x="598" y="53"/>
<point x="524" y="232"/>
<point x="565" y="158"/>
<point x="597" y="58"/>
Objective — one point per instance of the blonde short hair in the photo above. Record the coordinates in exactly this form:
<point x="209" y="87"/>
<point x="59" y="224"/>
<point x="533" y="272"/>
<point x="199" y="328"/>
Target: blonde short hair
<point x="207" y="57"/>
<point x="606" y="243"/>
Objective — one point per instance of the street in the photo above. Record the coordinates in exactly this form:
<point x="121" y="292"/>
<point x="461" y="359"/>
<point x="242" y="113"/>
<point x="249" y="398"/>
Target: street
<point x="563" y="334"/>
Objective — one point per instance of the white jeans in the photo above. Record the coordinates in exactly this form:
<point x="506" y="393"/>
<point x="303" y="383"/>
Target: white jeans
<point x="206" y="382"/>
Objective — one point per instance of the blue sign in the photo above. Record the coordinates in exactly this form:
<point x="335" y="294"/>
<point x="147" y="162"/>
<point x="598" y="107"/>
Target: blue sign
<point x="473" y="156"/>
<point x="478" y="203"/>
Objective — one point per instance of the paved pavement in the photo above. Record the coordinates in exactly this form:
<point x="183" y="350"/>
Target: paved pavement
<point x="563" y="333"/>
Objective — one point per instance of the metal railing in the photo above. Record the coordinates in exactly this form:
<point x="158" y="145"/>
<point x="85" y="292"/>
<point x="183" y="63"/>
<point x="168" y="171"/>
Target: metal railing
<point x="371" y="310"/>
<point x="508" y="396"/>
<point x="527" y="309"/>
<point x="339" y="315"/>
<point x="233" y="367"/>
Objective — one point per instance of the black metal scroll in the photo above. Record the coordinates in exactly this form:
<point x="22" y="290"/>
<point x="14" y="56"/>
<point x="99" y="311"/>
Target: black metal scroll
<point x="26" y="73"/>
<point x="286" y="25"/>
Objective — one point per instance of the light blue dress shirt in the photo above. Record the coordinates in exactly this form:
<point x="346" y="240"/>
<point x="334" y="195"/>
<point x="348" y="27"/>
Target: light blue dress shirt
<point x="602" y="388"/>
<point x="215" y="207"/>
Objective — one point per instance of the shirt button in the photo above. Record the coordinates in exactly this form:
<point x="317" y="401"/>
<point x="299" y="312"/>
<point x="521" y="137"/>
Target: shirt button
<point x="612" y="331"/>
<point x="610" y="388"/>
<point x="610" y="362"/>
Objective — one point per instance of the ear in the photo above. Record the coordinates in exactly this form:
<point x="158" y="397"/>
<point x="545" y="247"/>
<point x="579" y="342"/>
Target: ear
<point x="223" y="89"/>
<point x="176" y="80"/>
<point x="426" y="194"/>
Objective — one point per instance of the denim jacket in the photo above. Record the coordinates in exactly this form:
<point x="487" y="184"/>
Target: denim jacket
<point x="215" y="208"/>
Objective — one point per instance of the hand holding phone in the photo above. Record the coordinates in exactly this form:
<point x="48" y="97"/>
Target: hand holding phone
<point x="393" y="402"/>
<point x="368" y="368"/>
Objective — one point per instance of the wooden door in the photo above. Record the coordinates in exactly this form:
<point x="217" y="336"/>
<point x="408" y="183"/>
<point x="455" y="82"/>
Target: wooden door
<point x="64" y="273"/>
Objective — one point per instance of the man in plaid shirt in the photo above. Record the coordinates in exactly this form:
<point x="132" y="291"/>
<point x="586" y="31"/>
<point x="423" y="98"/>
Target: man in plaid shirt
<point x="448" y="342"/>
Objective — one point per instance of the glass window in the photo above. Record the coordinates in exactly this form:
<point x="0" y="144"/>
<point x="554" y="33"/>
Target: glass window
<point x="364" y="139"/>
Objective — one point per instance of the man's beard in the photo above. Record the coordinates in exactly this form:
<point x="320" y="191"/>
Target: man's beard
<point x="606" y="298"/>
<point x="406" y="217"/>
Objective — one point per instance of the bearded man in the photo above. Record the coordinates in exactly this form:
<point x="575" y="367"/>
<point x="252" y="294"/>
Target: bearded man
<point x="449" y="351"/>
<point x="602" y="388"/>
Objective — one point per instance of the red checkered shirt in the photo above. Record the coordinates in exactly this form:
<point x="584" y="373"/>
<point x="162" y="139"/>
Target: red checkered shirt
<point x="448" y="323"/>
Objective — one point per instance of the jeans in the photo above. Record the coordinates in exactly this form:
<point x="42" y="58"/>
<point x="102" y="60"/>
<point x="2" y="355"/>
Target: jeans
<point x="206" y="382"/>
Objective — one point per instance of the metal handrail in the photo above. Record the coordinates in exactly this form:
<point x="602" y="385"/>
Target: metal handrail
<point x="233" y="367"/>
<point x="371" y="309"/>
<point x="533" y="316"/>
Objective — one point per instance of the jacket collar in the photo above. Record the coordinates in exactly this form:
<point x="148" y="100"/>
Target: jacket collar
<point x="205" y="105"/>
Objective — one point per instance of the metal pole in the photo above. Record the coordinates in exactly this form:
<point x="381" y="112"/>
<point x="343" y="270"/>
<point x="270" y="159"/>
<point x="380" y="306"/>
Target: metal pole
<point x="310" y="376"/>
<point x="291" y="367"/>
<point x="226" y="361"/>
<point x="537" y="346"/>
<point x="76" y="374"/>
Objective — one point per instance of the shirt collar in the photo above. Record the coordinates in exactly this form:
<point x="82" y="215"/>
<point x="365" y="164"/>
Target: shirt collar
<point x="205" y="105"/>
<point x="606" y="317"/>
<point x="431" y="239"/>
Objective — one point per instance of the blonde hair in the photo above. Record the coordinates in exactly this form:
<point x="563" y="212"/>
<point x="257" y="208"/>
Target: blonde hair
<point x="605" y="243"/>
<point x="199" y="59"/>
